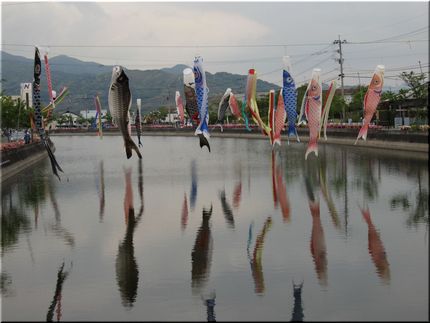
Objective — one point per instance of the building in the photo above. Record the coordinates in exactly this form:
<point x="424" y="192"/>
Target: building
<point x="403" y="112"/>
<point x="171" y="118"/>
<point x="71" y="119"/>
<point x="88" y="114"/>
<point x="27" y="94"/>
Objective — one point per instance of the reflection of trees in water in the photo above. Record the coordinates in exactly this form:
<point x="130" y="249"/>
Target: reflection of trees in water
<point x="57" y="227"/>
<point x="364" y="177"/>
<point x="291" y="161"/>
<point x="30" y="192"/>
<point x="6" y="283"/>
<point x="418" y="211"/>
<point x="13" y="222"/>
<point x="415" y="202"/>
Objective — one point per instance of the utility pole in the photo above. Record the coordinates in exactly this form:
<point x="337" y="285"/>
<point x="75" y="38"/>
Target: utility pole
<point x="338" y="41"/>
<point x="421" y="69"/>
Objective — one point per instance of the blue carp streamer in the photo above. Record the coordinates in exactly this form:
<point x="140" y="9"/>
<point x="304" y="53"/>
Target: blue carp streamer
<point x="202" y="96"/>
<point x="289" y="94"/>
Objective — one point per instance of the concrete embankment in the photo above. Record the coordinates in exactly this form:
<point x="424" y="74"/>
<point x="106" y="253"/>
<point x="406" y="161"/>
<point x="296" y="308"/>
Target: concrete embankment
<point x="380" y="139"/>
<point x="16" y="160"/>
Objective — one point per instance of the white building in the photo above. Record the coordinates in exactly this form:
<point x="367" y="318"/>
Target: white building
<point x="27" y="93"/>
<point x="171" y="118"/>
<point x="88" y="114"/>
<point x="71" y="117"/>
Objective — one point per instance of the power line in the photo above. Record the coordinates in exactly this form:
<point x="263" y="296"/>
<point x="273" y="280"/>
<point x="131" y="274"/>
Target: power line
<point x="168" y="45"/>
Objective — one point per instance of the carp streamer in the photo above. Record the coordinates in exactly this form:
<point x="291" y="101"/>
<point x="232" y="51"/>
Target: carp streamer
<point x="38" y="113"/>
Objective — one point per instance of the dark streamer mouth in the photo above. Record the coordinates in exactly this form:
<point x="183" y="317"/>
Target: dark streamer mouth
<point x="204" y="142"/>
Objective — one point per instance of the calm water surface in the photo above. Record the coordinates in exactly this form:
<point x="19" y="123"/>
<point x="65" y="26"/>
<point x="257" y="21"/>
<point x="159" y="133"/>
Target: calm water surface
<point x="235" y="234"/>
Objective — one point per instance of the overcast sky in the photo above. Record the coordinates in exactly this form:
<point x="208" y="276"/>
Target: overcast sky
<point x="220" y="32"/>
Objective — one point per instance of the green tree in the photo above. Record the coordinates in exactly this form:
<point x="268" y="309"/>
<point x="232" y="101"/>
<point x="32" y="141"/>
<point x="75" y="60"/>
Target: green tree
<point x="417" y="85"/>
<point x="163" y="111"/>
<point x="355" y="108"/>
<point x="389" y="95"/>
<point x="108" y="117"/>
<point x="263" y="107"/>
<point x="14" y="113"/>
<point x="337" y="106"/>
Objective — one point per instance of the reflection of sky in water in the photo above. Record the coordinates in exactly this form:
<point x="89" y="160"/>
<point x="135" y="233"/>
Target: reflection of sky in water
<point x="46" y="222"/>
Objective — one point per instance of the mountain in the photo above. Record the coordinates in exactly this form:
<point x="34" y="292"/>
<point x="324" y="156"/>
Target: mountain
<point x="84" y="80"/>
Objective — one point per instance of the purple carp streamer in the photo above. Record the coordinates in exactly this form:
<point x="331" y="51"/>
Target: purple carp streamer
<point x="202" y="100"/>
<point x="38" y="113"/>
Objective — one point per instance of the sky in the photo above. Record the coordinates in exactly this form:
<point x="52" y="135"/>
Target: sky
<point x="230" y="36"/>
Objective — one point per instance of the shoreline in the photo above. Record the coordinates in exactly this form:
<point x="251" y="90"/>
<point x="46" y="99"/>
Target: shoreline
<point x="417" y="143"/>
<point x="15" y="161"/>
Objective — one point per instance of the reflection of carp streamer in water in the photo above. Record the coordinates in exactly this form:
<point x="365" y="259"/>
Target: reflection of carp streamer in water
<point x="318" y="247"/>
<point x="127" y="273"/>
<point x="298" y="308"/>
<point x="56" y="300"/>
<point x="317" y="243"/>
<point x="201" y="256"/>
<point x="256" y="265"/>
<point x="376" y="249"/>
<point x="184" y="214"/>
<point x="226" y="209"/>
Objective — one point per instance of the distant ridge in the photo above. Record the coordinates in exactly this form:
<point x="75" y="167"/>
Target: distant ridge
<point x="155" y="87"/>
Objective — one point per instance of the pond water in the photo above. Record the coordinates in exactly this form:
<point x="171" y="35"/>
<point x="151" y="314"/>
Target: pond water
<point x="238" y="234"/>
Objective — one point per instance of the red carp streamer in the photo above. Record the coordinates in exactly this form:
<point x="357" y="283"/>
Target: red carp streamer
<point x="48" y="80"/>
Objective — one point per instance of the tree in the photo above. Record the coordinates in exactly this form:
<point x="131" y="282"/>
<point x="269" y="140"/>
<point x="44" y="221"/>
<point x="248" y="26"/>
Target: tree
<point x="389" y="95"/>
<point x="338" y="105"/>
<point x="108" y="117"/>
<point x="14" y="113"/>
<point x="418" y="87"/>
<point x="355" y="108"/>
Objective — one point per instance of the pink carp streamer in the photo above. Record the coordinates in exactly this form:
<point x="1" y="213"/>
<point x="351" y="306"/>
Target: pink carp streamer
<point x="326" y="108"/>
<point x="271" y="116"/>
<point x="234" y="108"/>
<point x="313" y="111"/>
<point x="371" y="100"/>
<point x="251" y="101"/>
<point x="180" y="108"/>
<point x="48" y="80"/>
<point x="98" y="116"/>
<point x="280" y="116"/>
